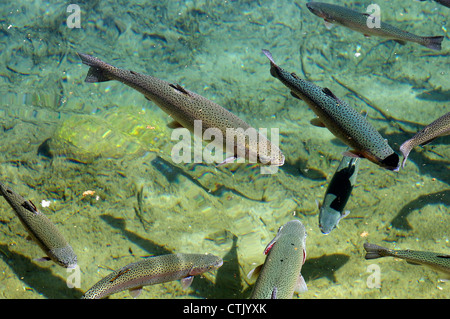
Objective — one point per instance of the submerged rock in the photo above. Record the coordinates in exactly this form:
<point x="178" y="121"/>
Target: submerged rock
<point x="112" y="134"/>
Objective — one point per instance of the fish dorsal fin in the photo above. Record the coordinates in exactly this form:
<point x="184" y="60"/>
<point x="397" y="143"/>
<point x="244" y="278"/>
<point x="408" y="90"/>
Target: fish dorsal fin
<point x="328" y="92"/>
<point x="179" y="88"/>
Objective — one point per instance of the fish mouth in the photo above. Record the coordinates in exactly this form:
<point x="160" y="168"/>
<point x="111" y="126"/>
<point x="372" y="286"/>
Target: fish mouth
<point x="391" y="162"/>
<point x="315" y="10"/>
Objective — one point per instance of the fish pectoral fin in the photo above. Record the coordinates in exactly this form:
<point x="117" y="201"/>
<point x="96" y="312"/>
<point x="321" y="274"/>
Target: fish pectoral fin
<point x="353" y="153"/>
<point x="328" y="24"/>
<point x="301" y="285"/>
<point x="295" y="95"/>
<point x="228" y="160"/>
<point x="179" y="88"/>
<point x="400" y="42"/>
<point x="412" y="263"/>
<point x="254" y="273"/>
<point x="135" y="292"/>
<point x="186" y="281"/>
<point x="317" y="122"/>
<point x="174" y="125"/>
<point x="319" y="205"/>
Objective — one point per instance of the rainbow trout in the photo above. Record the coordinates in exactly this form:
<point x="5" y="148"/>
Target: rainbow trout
<point x="437" y="261"/>
<point x="187" y="107"/>
<point x="280" y="275"/>
<point x="40" y="229"/>
<point x="339" y="118"/>
<point x="338" y="192"/>
<point x="152" y="271"/>
<point x="440" y="127"/>
<point x="356" y="21"/>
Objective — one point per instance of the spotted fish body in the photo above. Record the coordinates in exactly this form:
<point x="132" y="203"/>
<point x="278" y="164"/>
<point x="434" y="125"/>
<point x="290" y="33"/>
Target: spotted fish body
<point x="41" y="229"/>
<point x="439" y="127"/>
<point x="356" y="21"/>
<point x="153" y="270"/>
<point x="339" y="118"/>
<point x="437" y="261"/>
<point x="280" y="275"/>
<point x="338" y="192"/>
<point x="186" y="107"/>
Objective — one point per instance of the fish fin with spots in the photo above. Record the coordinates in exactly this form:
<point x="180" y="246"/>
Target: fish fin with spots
<point x="254" y="273"/>
<point x="95" y="75"/>
<point x="301" y="285"/>
<point x="317" y="122"/>
<point x="186" y="281"/>
<point x="135" y="292"/>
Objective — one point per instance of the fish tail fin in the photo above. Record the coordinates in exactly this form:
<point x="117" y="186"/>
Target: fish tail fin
<point x="373" y="251"/>
<point x="433" y="43"/>
<point x="97" y="71"/>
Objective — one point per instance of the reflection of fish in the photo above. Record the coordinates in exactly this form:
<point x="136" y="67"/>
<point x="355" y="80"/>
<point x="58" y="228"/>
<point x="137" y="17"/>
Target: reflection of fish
<point x="154" y="270"/>
<point x="440" y="127"/>
<point x="358" y="22"/>
<point x="437" y="261"/>
<point x="41" y="229"/>
<point x="337" y="194"/>
<point x="280" y="275"/>
<point x="443" y="2"/>
<point x="343" y="121"/>
<point x="187" y="107"/>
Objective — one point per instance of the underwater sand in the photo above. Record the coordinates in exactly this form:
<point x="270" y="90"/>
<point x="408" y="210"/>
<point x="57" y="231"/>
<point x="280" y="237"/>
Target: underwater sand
<point x="147" y="205"/>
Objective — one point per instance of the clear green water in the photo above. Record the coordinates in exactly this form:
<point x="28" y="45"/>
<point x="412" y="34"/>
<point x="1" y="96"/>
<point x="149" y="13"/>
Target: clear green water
<point x="109" y="139"/>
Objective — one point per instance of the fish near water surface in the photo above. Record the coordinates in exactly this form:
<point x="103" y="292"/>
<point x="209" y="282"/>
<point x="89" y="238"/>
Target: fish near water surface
<point x="339" y="118"/>
<point x="437" y="261"/>
<point x="331" y="211"/>
<point x="152" y="271"/>
<point x="280" y="275"/>
<point x="356" y="21"/>
<point x="443" y="2"/>
<point x="41" y="229"/>
<point x="187" y="107"/>
<point x="439" y="127"/>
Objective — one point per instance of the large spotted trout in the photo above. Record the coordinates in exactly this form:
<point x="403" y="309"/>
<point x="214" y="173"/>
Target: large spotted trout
<point x="188" y="108"/>
<point x="152" y="271"/>
<point x="439" y="127"/>
<point x="280" y="275"/>
<point x="40" y="229"/>
<point x="339" y="118"/>
<point x="362" y="22"/>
